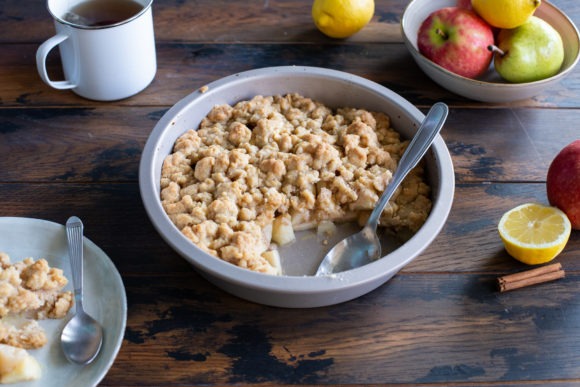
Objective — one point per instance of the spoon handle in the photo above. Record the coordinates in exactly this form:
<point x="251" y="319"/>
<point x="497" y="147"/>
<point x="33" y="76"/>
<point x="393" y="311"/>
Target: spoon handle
<point x="74" y="235"/>
<point x="422" y="140"/>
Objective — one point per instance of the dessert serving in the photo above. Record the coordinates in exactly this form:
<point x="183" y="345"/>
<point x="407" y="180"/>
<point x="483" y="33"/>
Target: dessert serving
<point x="254" y="172"/>
<point x="29" y="291"/>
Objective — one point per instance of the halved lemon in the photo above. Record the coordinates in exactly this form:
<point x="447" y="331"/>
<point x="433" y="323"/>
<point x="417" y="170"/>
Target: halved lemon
<point x="533" y="233"/>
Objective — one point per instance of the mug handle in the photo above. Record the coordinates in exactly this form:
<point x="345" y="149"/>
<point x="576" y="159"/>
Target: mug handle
<point x="41" y="55"/>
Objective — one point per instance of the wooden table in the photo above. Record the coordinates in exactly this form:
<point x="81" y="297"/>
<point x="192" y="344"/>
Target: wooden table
<point x="440" y="321"/>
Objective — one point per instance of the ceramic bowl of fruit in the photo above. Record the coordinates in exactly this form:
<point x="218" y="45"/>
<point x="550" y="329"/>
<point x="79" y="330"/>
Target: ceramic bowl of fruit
<point x="235" y="179"/>
<point x="472" y="50"/>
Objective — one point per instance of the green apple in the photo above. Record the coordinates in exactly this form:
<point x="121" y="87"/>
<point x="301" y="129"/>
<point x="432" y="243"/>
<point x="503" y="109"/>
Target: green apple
<point x="528" y="53"/>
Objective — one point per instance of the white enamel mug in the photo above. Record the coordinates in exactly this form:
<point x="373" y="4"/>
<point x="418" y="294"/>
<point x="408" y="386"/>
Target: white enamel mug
<point x="103" y="63"/>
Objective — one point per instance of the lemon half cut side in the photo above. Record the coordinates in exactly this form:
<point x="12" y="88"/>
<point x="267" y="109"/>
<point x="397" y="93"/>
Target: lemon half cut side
<point x="533" y="233"/>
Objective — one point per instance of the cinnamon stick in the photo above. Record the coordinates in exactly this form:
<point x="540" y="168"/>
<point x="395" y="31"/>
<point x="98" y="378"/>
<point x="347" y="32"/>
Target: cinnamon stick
<point x="531" y="277"/>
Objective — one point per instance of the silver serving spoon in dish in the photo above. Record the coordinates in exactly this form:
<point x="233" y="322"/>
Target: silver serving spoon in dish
<point x="364" y="247"/>
<point x="82" y="336"/>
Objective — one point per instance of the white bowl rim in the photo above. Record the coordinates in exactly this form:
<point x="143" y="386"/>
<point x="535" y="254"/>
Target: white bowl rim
<point x="561" y="74"/>
<point x="291" y="284"/>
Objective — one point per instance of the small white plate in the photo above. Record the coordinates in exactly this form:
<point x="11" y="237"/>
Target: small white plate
<point x="104" y="299"/>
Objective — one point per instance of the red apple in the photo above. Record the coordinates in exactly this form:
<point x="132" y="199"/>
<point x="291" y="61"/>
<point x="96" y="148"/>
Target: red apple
<point x="563" y="182"/>
<point x="464" y="4"/>
<point x="456" y="39"/>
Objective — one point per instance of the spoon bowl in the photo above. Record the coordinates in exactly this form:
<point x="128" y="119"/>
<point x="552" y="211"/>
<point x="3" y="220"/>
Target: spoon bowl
<point x="361" y="248"/>
<point x="82" y="336"/>
<point x="364" y="247"/>
<point x="79" y="338"/>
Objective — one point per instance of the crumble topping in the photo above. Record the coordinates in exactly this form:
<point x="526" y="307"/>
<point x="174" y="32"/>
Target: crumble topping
<point x="30" y="289"/>
<point x="274" y="157"/>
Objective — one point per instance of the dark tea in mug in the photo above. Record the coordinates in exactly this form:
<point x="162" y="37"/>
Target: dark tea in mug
<point x="97" y="13"/>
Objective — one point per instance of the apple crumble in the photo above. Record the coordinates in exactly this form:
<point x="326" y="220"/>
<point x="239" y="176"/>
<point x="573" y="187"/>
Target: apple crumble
<point x="30" y="290"/>
<point x="254" y="172"/>
<point x="17" y="365"/>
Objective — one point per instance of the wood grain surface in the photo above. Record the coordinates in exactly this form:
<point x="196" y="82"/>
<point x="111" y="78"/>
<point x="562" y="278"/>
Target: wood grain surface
<point x="440" y="322"/>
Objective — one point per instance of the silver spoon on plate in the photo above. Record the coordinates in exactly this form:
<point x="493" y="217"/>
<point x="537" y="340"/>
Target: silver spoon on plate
<point x="82" y="336"/>
<point x="364" y="247"/>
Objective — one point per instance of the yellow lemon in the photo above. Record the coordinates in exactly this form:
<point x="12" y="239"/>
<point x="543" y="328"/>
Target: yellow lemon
<point x="505" y="13"/>
<point x="533" y="233"/>
<point x="342" y="18"/>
